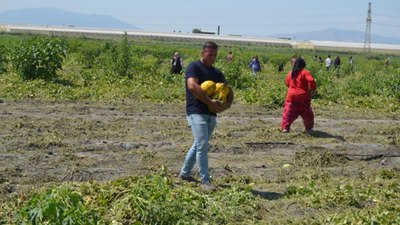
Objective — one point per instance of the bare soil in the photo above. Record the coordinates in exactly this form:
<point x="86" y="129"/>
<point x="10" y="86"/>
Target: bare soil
<point x="44" y="142"/>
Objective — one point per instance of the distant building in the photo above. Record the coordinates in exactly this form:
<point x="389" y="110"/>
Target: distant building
<point x="284" y="38"/>
<point x="199" y="31"/>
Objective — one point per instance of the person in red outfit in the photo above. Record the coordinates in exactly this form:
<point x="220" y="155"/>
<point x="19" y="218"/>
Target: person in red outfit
<point x="301" y="87"/>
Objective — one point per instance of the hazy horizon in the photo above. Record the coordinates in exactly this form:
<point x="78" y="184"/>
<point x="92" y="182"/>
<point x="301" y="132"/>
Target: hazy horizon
<point x="254" y="18"/>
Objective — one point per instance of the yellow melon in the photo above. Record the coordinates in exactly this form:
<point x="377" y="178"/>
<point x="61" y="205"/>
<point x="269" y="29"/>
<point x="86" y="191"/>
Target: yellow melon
<point x="208" y="86"/>
<point x="221" y="92"/>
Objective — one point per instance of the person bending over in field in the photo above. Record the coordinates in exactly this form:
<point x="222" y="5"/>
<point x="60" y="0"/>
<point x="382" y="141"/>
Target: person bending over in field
<point x="301" y="87"/>
<point x="201" y="112"/>
<point x="229" y="57"/>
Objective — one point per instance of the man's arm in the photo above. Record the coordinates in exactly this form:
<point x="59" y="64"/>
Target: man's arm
<point x="195" y="89"/>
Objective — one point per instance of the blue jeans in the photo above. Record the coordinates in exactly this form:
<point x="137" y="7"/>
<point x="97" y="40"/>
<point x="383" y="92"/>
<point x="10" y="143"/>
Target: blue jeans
<point x="202" y="127"/>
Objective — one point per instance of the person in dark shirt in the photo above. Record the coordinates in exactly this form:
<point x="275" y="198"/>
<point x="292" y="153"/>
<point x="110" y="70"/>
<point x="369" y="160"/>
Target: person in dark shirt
<point x="336" y="63"/>
<point x="176" y="63"/>
<point x="202" y="111"/>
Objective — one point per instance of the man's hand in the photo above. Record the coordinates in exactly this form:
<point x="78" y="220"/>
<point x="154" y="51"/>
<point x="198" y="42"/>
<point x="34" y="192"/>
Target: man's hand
<point x="216" y="106"/>
<point x="226" y="106"/>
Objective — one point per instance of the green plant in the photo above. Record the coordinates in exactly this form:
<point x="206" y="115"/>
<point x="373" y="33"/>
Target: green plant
<point x="123" y="59"/>
<point x="278" y="61"/>
<point x="39" y="57"/>
<point x="152" y="199"/>
<point x="88" y="53"/>
<point x="237" y="73"/>
<point x="3" y="59"/>
<point x="61" y="205"/>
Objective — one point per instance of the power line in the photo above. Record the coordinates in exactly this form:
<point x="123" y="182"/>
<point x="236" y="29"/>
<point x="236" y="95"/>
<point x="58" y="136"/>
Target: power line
<point x="388" y="25"/>
<point x="387" y="16"/>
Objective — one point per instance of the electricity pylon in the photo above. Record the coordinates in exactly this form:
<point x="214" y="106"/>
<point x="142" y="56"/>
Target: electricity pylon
<point x="367" y="39"/>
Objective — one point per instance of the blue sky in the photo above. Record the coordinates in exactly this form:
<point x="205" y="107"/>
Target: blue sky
<point x="248" y="18"/>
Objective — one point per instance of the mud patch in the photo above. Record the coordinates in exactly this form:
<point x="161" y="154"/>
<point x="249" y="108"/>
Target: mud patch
<point x="315" y="156"/>
<point x="365" y="152"/>
<point x="269" y="145"/>
<point x="54" y="142"/>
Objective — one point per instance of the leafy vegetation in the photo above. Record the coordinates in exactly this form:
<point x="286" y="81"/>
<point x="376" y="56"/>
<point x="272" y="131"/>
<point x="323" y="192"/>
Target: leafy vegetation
<point x="368" y="202"/>
<point x="3" y="59"/>
<point x="39" y="57"/>
<point x="153" y="199"/>
<point x="61" y="205"/>
<point x="120" y="69"/>
<point x="123" y="64"/>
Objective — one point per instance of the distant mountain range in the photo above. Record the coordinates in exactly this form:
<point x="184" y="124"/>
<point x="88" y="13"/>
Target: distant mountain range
<point x="334" y="34"/>
<point x="58" y="17"/>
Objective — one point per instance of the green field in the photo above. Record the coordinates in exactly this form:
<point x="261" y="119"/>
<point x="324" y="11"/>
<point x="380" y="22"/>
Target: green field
<point x="115" y="70"/>
<point x="94" y="132"/>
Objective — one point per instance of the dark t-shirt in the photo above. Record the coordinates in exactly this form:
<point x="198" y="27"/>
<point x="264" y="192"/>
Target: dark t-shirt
<point x="202" y="73"/>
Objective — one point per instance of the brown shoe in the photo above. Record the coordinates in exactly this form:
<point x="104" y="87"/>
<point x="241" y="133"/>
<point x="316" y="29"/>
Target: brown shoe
<point x="189" y="179"/>
<point x="208" y="186"/>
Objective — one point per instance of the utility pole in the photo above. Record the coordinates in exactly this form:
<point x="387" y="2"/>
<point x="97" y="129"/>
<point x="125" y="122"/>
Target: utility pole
<point x="367" y="39"/>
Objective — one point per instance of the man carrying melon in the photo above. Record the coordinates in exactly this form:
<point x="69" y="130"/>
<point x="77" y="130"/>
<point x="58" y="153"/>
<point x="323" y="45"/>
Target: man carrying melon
<point x="203" y="102"/>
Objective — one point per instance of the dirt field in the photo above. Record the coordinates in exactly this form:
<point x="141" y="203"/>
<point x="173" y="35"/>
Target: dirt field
<point x="50" y="142"/>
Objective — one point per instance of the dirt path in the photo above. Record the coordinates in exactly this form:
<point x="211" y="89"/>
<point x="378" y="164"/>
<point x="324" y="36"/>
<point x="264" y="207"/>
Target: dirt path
<point x="50" y="142"/>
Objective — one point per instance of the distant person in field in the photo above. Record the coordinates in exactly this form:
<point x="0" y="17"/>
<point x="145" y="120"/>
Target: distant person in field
<point x="281" y="66"/>
<point x="387" y="62"/>
<point x="293" y="59"/>
<point x="336" y="63"/>
<point x="177" y="64"/>
<point x="229" y="57"/>
<point x="328" y="62"/>
<point x="320" y="59"/>
<point x="201" y="112"/>
<point x="301" y="87"/>
<point x="255" y="65"/>
<point x="351" y="60"/>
